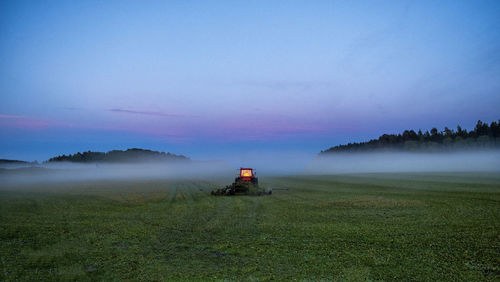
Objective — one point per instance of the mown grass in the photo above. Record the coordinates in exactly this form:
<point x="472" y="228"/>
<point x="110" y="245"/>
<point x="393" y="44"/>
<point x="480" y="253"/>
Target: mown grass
<point x="347" y="227"/>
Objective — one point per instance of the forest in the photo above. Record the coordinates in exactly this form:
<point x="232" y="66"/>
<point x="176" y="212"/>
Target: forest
<point x="130" y="155"/>
<point x="483" y="136"/>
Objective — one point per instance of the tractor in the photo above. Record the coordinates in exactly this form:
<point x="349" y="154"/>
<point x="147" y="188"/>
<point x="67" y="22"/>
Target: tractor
<point x="246" y="183"/>
<point x="247" y="175"/>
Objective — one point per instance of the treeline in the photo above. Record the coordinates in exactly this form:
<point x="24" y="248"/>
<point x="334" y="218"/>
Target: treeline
<point x="115" y="156"/>
<point x="483" y="136"/>
<point x="4" y="163"/>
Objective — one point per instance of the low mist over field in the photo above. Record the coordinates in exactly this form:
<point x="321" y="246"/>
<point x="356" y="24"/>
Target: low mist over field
<point x="405" y="162"/>
<point x="69" y="172"/>
<point x="269" y="165"/>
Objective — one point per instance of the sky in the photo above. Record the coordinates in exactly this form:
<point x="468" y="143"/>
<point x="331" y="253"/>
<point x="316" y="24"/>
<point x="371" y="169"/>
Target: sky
<point x="240" y="80"/>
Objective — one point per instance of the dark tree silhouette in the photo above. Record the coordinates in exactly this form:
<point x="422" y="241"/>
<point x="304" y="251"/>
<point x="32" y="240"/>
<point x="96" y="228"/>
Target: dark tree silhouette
<point x="483" y="136"/>
<point x="130" y="155"/>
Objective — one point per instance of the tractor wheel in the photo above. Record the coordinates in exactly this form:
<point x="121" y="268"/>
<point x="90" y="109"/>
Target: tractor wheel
<point x="255" y="181"/>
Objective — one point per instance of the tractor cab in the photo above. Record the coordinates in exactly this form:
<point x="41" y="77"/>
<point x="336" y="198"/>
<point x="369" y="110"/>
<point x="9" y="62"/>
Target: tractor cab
<point x="247" y="175"/>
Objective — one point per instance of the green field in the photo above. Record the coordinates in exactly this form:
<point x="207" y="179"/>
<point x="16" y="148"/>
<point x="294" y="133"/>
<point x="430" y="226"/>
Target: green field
<point x="346" y="227"/>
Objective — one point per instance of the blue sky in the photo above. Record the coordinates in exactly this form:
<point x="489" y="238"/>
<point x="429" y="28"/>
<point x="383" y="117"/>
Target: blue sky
<point x="209" y="79"/>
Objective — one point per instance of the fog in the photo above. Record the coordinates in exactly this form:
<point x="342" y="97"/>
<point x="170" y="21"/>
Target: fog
<point x="74" y="172"/>
<point x="338" y="163"/>
<point x="265" y="164"/>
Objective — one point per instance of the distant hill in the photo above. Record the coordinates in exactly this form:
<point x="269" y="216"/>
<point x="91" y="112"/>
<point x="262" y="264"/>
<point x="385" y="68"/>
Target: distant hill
<point x="117" y="156"/>
<point x="4" y="163"/>
<point x="483" y="136"/>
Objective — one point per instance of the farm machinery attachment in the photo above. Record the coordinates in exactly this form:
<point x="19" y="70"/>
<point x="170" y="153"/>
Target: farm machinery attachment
<point x="245" y="184"/>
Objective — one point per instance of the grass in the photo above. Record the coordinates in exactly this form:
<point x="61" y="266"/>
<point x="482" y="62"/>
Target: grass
<point x="346" y="227"/>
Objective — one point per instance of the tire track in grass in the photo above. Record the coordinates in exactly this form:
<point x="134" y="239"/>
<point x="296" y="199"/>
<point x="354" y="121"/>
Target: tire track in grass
<point x="158" y="191"/>
<point x="225" y="229"/>
<point x="173" y="193"/>
<point x="177" y="236"/>
<point x="202" y="233"/>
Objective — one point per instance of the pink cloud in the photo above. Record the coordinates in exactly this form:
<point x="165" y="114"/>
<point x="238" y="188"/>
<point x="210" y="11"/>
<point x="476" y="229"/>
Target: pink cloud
<point x="148" y="113"/>
<point x="22" y="122"/>
<point x="236" y="128"/>
<point x="274" y="127"/>
<point x="34" y="123"/>
<point x="31" y="124"/>
<point x="220" y="128"/>
<point x="11" y="116"/>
